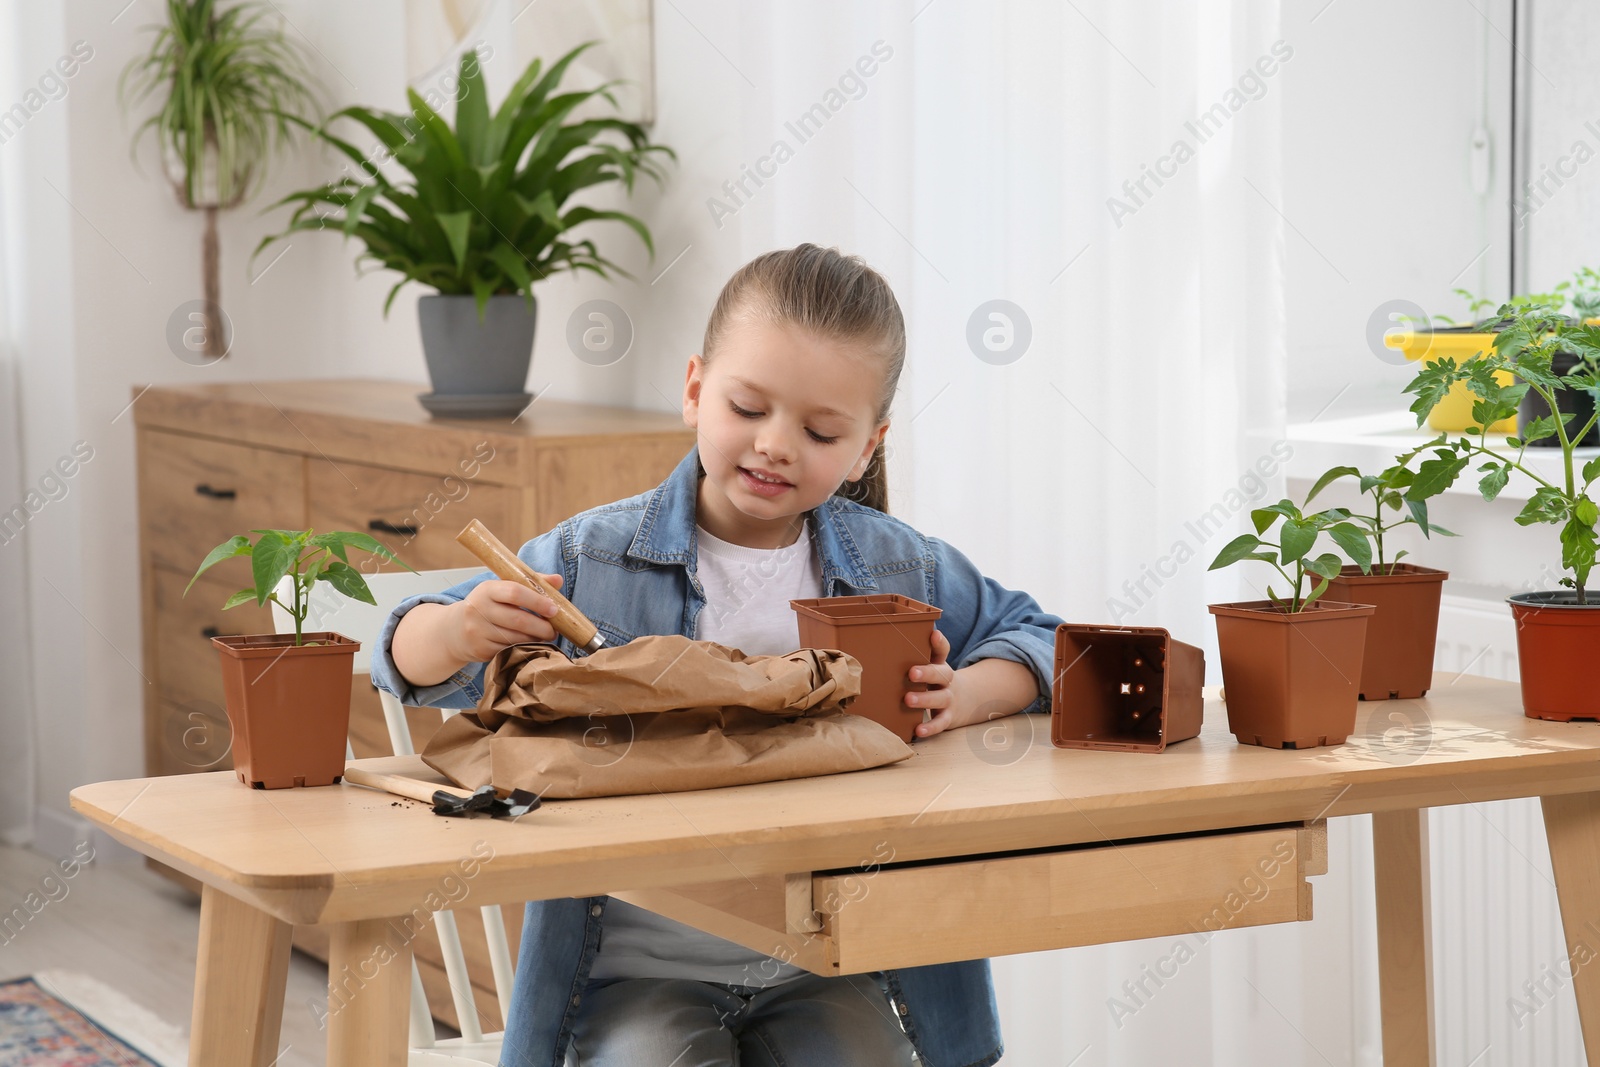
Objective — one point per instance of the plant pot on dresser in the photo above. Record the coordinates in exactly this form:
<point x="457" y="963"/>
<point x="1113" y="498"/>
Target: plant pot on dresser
<point x="363" y="455"/>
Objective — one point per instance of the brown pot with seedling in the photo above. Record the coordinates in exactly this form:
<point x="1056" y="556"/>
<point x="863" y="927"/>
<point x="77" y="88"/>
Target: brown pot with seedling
<point x="889" y="634"/>
<point x="1558" y="631"/>
<point x="1291" y="665"/>
<point x="1398" y="661"/>
<point x="1127" y="688"/>
<point x="288" y="695"/>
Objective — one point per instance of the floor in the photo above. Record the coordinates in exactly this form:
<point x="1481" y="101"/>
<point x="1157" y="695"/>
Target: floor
<point x="124" y="924"/>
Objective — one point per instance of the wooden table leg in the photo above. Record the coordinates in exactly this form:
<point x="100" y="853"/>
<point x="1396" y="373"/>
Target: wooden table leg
<point x="369" y="993"/>
<point x="1405" y="941"/>
<point x="240" y="978"/>
<point x="1572" y="825"/>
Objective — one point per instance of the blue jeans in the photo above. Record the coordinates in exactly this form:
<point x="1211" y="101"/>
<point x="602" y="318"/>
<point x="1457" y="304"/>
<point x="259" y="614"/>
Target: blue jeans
<point x="810" y="1021"/>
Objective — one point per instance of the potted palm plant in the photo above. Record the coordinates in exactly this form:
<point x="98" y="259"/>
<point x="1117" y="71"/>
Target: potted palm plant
<point x="1558" y="631"/>
<point x="1398" y="661"/>
<point x="288" y="695"/>
<point x="479" y="217"/>
<point x="1291" y="664"/>
<point x="232" y="86"/>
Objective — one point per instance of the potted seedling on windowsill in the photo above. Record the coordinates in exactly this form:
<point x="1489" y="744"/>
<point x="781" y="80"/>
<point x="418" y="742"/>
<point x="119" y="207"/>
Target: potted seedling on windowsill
<point x="1291" y="664"/>
<point x="1461" y="341"/>
<point x="1398" y="661"/>
<point x="1458" y="341"/>
<point x="1558" y="631"/>
<point x="288" y="695"/>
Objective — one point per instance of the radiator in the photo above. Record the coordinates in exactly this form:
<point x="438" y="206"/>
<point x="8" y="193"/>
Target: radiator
<point x="1501" y="992"/>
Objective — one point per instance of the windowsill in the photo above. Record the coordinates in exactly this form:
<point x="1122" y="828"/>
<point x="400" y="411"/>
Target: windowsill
<point x="1371" y="442"/>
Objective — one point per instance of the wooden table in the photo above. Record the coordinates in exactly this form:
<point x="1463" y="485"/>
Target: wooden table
<point x="1091" y="847"/>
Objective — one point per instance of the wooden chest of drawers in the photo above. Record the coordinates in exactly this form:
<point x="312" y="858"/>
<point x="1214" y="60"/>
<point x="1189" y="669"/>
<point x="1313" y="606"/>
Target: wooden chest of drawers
<point x="216" y="460"/>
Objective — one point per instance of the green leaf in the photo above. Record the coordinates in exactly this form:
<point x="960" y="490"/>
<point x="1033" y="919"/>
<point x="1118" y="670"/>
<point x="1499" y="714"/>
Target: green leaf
<point x="1537" y="430"/>
<point x="1244" y="546"/>
<point x="1431" y="384"/>
<point x="1591" y="469"/>
<point x="1326" y="565"/>
<point x="1546" y="505"/>
<point x="1333" y="475"/>
<point x="457" y="226"/>
<point x="273" y="557"/>
<point x="1265" y="517"/>
<point x="1578" y="549"/>
<point x="237" y="545"/>
<point x="243" y="596"/>
<point x="1419" y="515"/>
<point x="1436" y="475"/>
<point x="1296" y="538"/>
<point x="1354" y="541"/>
<point x="352" y="539"/>
<point x="472" y="111"/>
<point x="1585" y="511"/>
<point x="1494" y="481"/>
<point x="348" y="581"/>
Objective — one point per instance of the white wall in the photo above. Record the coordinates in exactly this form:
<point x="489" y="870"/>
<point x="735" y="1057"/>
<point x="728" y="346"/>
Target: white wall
<point x="110" y="256"/>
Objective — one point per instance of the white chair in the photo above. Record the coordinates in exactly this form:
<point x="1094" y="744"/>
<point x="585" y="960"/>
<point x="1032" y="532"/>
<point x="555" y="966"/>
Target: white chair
<point x="332" y="610"/>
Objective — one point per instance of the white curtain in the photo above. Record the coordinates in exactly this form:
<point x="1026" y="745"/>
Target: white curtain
<point x="17" y="758"/>
<point x="1103" y="468"/>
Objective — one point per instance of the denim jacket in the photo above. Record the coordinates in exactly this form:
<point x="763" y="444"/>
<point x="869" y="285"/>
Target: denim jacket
<point x="630" y="567"/>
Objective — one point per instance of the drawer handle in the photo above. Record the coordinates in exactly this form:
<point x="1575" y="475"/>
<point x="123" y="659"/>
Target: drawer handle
<point x="404" y="529"/>
<point x="215" y="494"/>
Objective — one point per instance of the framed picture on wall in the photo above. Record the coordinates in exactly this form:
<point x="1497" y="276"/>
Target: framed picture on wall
<point x="437" y="31"/>
<point x="625" y="30"/>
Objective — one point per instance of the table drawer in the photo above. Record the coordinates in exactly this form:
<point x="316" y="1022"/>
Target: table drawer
<point x="195" y="493"/>
<point x="416" y="515"/>
<point x="909" y="915"/>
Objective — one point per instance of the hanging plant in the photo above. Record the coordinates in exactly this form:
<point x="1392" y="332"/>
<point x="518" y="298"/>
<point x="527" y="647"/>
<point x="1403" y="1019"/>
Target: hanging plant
<point x="230" y="85"/>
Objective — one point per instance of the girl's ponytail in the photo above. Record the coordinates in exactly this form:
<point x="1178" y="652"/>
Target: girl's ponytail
<point x="834" y="296"/>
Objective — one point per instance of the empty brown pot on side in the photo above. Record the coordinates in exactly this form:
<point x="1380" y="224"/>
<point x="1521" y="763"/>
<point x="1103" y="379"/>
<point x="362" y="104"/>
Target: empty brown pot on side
<point x="889" y="634"/>
<point x="1130" y="688"/>
<point x="1291" y="679"/>
<point x="1398" y="662"/>
<point x="288" y="705"/>
<point x="1558" y="642"/>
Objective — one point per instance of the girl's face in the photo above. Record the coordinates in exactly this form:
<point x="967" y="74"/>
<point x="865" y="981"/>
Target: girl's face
<point x="783" y="418"/>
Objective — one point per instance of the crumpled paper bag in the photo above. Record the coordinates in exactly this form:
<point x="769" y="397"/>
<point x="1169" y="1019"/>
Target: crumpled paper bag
<point x="660" y="713"/>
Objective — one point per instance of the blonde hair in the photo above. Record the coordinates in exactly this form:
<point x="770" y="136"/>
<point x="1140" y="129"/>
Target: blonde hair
<point x="833" y="296"/>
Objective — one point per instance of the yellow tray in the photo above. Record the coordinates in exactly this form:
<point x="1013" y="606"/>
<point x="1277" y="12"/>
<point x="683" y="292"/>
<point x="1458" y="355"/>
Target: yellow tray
<point x="1453" y="414"/>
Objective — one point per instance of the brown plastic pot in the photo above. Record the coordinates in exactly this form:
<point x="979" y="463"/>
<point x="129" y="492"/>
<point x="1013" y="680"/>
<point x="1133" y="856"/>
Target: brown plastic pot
<point x="1558" y="642"/>
<point x="1291" y="679"/>
<point x="288" y="705"/>
<point x="1398" y="662"/>
<point x="889" y="634"/>
<point x="1129" y="688"/>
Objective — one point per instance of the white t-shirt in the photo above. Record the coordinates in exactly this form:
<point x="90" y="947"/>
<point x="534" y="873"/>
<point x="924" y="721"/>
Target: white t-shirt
<point x="747" y="607"/>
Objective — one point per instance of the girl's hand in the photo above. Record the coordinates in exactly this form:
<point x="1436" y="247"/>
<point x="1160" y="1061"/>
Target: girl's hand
<point x="496" y="614"/>
<point x="985" y="690"/>
<point x="945" y="693"/>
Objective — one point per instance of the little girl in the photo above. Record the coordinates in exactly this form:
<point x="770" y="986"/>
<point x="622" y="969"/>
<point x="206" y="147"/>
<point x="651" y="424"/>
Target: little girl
<point x="783" y="497"/>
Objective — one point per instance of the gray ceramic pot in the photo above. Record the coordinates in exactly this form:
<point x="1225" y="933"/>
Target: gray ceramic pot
<point x="467" y="357"/>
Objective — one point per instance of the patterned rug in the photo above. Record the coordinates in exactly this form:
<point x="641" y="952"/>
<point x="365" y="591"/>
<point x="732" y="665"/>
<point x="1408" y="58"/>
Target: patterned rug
<point x="38" y="1030"/>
